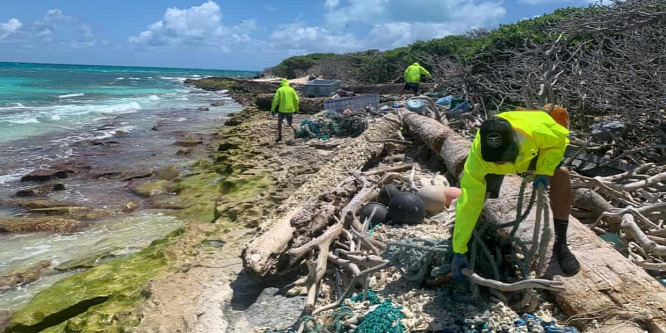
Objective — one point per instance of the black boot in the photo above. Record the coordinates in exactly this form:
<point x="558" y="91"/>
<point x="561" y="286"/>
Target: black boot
<point x="568" y="262"/>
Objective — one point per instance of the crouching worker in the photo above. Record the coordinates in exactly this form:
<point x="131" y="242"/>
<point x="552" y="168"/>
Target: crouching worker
<point x="285" y="102"/>
<point x="512" y="143"/>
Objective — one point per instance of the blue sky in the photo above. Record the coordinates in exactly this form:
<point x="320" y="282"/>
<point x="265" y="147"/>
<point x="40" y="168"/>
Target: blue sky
<point x="239" y="34"/>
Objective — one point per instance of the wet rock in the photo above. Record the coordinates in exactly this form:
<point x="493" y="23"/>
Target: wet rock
<point x="41" y="322"/>
<point x="85" y="261"/>
<point x="228" y="144"/>
<point x="167" y="173"/>
<point x="5" y="317"/>
<point x="75" y="212"/>
<point x="184" y="152"/>
<point x="40" y="191"/>
<point x="154" y="128"/>
<point x="152" y="189"/>
<point x="23" y="275"/>
<point x="217" y="104"/>
<point x="130" y="207"/>
<point x="139" y="174"/>
<point x="203" y="109"/>
<point x="25" y="225"/>
<point x="31" y="204"/>
<point x="191" y="142"/>
<point x="44" y="175"/>
<point x="122" y="132"/>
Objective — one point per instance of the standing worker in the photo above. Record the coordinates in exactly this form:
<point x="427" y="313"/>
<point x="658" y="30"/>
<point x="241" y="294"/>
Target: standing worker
<point x="413" y="77"/>
<point x="286" y="103"/>
<point x="512" y="143"/>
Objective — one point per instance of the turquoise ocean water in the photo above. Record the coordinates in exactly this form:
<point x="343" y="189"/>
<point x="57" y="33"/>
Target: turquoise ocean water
<point x="48" y="106"/>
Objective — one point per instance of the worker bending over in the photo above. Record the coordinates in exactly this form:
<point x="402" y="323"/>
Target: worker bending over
<point x="413" y="77"/>
<point x="513" y="143"/>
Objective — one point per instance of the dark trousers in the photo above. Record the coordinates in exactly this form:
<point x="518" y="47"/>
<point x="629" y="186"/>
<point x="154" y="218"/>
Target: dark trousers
<point x="281" y="117"/>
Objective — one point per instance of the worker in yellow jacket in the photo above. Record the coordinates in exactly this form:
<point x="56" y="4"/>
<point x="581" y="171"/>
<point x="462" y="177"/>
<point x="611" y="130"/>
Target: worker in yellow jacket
<point x="413" y="77"/>
<point x="285" y="102"/>
<point x="513" y="143"/>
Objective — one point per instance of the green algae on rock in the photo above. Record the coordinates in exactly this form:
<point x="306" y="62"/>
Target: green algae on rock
<point x="75" y="212"/>
<point x="99" y="299"/>
<point x="25" y="224"/>
<point x="151" y="189"/>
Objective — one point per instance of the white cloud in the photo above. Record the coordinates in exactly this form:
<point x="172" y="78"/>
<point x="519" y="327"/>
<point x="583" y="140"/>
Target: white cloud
<point x="390" y="24"/>
<point x="572" y="2"/>
<point x="12" y="26"/>
<point x="297" y="38"/>
<point x="331" y="4"/>
<point x="396" y="34"/>
<point x="197" y="25"/>
<point x="484" y="12"/>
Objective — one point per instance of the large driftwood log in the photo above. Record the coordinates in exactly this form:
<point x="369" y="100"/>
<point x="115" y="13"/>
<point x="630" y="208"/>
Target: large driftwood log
<point x="607" y="280"/>
<point x="441" y="139"/>
<point x="265" y="254"/>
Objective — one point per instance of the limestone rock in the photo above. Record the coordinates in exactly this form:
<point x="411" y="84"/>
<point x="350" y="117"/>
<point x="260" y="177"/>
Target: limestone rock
<point x="44" y="175"/>
<point x="152" y="189"/>
<point x="23" y="275"/>
<point x="40" y="191"/>
<point x="23" y="225"/>
<point x="190" y="142"/>
<point x="167" y="173"/>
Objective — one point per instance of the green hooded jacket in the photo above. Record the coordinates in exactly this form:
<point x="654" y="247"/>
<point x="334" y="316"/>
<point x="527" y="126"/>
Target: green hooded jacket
<point x="537" y="134"/>
<point x="413" y="73"/>
<point x="286" y="97"/>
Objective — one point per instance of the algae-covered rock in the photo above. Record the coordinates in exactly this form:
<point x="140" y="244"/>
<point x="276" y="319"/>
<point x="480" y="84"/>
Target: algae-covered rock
<point x="5" y="317"/>
<point x="152" y="189"/>
<point x="40" y="191"/>
<point x="23" y="275"/>
<point x="24" y="224"/>
<point x="167" y="173"/>
<point x="130" y="207"/>
<point x="191" y="142"/>
<point x="75" y="212"/>
<point x="31" y="204"/>
<point x="101" y="299"/>
<point x="84" y="261"/>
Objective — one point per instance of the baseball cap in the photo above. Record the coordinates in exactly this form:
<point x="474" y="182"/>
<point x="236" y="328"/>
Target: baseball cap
<point x="497" y="143"/>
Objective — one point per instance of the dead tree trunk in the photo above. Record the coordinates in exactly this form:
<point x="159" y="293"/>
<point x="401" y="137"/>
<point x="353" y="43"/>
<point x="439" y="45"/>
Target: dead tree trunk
<point x="444" y="141"/>
<point x="306" y="212"/>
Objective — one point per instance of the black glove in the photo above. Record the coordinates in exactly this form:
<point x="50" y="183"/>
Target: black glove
<point x="457" y="264"/>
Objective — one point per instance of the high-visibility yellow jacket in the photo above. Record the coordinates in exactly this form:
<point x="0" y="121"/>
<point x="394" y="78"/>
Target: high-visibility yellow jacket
<point x="536" y="134"/>
<point x="286" y="97"/>
<point x="413" y="73"/>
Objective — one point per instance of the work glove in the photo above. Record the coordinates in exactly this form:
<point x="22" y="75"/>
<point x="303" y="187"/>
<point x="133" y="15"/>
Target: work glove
<point x="459" y="262"/>
<point x="541" y="180"/>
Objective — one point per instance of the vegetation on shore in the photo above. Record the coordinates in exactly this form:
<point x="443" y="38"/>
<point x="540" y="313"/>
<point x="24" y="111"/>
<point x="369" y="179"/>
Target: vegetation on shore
<point x="374" y="66"/>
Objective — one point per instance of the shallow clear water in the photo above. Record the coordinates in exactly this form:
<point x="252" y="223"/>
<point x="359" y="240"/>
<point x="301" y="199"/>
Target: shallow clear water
<point x="122" y="236"/>
<point x="46" y="111"/>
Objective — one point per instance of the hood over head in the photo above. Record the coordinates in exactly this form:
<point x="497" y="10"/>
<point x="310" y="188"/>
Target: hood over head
<point x="416" y="64"/>
<point x="284" y="83"/>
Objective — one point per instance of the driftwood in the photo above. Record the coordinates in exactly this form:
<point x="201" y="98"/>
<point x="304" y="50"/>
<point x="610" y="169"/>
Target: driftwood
<point x="264" y="255"/>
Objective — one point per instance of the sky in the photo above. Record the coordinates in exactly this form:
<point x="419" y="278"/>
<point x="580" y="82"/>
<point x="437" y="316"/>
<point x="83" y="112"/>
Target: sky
<point x="239" y="34"/>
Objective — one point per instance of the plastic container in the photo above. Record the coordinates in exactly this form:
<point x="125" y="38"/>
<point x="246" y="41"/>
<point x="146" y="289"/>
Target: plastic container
<point x="416" y="105"/>
<point x="355" y="103"/>
<point x="321" y="88"/>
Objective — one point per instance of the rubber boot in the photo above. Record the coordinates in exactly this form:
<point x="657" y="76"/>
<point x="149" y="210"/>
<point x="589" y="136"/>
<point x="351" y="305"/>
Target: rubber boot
<point x="568" y="262"/>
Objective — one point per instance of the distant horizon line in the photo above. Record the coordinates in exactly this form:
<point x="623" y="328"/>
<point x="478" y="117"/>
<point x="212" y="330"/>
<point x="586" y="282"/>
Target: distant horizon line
<point x="131" y="66"/>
